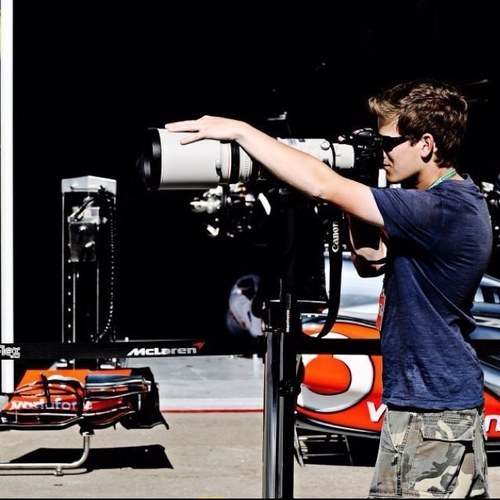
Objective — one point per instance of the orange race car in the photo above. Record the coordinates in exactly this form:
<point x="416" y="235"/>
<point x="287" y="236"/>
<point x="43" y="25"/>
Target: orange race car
<point x="341" y="394"/>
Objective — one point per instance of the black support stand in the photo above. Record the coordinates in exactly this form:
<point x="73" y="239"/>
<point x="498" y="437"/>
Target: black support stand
<point x="283" y="354"/>
<point x="280" y="377"/>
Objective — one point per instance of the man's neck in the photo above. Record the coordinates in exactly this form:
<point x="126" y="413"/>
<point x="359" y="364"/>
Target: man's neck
<point x="432" y="178"/>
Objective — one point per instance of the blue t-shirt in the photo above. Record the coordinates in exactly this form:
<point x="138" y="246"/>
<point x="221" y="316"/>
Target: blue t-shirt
<point x="439" y="247"/>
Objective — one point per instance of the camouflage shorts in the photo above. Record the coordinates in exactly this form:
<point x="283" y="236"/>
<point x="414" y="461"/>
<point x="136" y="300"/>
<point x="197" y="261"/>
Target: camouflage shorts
<point x="431" y="455"/>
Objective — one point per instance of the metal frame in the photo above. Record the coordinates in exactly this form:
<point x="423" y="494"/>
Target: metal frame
<point x="57" y="466"/>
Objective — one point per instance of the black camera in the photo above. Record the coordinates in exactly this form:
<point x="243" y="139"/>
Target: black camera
<point x="243" y="202"/>
<point x="239" y="194"/>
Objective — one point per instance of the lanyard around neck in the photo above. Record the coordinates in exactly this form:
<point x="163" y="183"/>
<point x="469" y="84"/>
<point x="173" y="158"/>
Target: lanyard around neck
<point x="444" y="177"/>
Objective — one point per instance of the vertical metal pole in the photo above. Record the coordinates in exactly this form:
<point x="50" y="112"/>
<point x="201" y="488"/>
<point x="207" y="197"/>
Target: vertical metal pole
<point x="7" y="192"/>
<point x="279" y="416"/>
<point x="280" y="380"/>
<point x="271" y="472"/>
<point x="286" y="390"/>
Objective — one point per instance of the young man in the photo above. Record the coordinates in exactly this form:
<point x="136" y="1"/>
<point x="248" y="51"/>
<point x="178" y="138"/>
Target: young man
<point x="432" y="238"/>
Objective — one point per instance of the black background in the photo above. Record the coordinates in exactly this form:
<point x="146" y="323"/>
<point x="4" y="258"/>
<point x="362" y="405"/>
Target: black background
<point x="89" y="77"/>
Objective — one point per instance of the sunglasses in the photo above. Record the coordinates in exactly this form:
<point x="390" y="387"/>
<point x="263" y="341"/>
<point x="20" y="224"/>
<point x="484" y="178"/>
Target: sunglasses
<point x="389" y="143"/>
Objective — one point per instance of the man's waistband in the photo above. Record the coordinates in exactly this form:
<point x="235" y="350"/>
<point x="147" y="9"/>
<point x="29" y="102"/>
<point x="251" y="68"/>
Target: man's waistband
<point x="414" y="409"/>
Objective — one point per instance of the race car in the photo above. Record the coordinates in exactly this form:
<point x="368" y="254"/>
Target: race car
<point x="339" y="409"/>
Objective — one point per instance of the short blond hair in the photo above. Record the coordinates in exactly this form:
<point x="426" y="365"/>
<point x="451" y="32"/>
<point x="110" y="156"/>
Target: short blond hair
<point x="426" y="106"/>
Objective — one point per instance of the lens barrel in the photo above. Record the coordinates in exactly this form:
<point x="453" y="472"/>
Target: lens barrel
<point x="169" y="165"/>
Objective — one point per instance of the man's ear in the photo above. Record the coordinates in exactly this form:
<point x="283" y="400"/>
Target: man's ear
<point x="428" y="147"/>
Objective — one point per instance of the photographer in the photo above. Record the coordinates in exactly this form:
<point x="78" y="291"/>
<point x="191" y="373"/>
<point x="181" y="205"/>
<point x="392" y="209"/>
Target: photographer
<point x="432" y="238"/>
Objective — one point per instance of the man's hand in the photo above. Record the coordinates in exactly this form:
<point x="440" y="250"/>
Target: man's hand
<point x="207" y="127"/>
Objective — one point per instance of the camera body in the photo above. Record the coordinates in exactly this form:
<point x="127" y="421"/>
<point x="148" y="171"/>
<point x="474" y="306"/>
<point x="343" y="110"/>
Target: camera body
<point x="241" y="201"/>
<point x="239" y="194"/>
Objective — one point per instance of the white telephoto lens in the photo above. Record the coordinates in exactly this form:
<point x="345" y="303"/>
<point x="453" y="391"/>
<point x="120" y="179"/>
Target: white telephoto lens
<point x="204" y="164"/>
<point x="319" y="148"/>
<point x="169" y="165"/>
<point x="199" y="165"/>
<point x="334" y="155"/>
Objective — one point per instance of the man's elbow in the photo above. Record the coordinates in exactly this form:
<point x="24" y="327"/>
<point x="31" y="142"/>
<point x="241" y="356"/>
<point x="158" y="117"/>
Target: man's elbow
<point x="366" y="268"/>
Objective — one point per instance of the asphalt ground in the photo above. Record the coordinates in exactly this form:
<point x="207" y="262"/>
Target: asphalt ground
<point x="201" y="455"/>
<point x="213" y="447"/>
